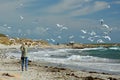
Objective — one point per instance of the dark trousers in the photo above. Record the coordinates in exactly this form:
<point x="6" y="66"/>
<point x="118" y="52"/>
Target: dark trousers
<point x="24" y="62"/>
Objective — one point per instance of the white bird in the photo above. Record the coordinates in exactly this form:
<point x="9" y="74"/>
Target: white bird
<point x="92" y="33"/>
<point x="97" y="36"/>
<point x="72" y="41"/>
<point x="110" y="29"/>
<point x="70" y="37"/>
<point x="47" y="28"/>
<point x="5" y="25"/>
<point x="58" y="25"/>
<point x="84" y="31"/>
<point x="59" y="37"/>
<point x="91" y="39"/>
<point x="21" y="4"/>
<point x="52" y="40"/>
<point x="109" y="6"/>
<point x="105" y="33"/>
<point x="64" y="28"/>
<point x="9" y="27"/>
<point x="100" y="41"/>
<point x="21" y="17"/>
<point x="107" y="37"/>
<point x="82" y="37"/>
<point x="106" y="26"/>
<point x="61" y="27"/>
<point x="11" y="39"/>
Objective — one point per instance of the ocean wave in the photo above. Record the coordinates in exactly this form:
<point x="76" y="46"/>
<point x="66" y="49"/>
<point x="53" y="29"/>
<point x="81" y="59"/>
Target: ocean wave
<point x="114" y="48"/>
<point x="98" y="48"/>
<point x="87" y="59"/>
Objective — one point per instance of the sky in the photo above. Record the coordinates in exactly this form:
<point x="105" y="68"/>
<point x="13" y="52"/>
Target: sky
<point x="62" y="21"/>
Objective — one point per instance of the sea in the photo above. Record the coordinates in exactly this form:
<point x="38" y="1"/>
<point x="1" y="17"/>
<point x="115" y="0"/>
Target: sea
<point x="105" y="60"/>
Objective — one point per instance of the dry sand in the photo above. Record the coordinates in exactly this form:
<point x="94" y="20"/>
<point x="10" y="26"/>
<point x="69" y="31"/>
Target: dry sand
<point x="10" y="69"/>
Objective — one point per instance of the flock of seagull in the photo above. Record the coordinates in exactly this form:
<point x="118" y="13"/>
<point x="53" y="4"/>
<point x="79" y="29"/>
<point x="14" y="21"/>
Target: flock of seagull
<point x="92" y="36"/>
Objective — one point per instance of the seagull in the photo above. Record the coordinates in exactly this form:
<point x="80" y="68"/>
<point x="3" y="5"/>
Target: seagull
<point x="58" y="25"/>
<point x="106" y="26"/>
<point x="84" y="31"/>
<point x="59" y="37"/>
<point x="21" y="17"/>
<point x="47" y="28"/>
<point x="9" y="27"/>
<point x="72" y="41"/>
<point x="91" y="39"/>
<point x="70" y="37"/>
<point x="63" y="28"/>
<point x="107" y="37"/>
<point x="5" y="25"/>
<point x="52" y="40"/>
<point x="109" y="6"/>
<point x="92" y="33"/>
<point x="105" y="33"/>
<point x="100" y="41"/>
<point x="21" y="4"/>
<point x="82" y="37"/>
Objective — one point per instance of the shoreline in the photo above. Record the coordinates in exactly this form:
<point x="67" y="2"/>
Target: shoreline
<point x="11" y="70"/>
<point x="81" y="68"/>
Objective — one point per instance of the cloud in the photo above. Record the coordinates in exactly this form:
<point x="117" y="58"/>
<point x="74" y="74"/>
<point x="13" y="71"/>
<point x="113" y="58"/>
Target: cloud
<point x="12" y="10"/>
<point x="63" y="6"/>
<point x="91" y="8"/>
<point x="78" y="8"/>
<point x="116" y="2"/>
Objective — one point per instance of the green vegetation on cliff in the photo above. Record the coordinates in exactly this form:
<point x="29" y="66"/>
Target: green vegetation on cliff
<point x="2" y="35"/>
<point x="9" y="41"/>
<point x="4" y="39"/>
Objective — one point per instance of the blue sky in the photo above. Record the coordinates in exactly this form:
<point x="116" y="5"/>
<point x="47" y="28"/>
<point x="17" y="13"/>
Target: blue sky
<point x="62" y="20"/>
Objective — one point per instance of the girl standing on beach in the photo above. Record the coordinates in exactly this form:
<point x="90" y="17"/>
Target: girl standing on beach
<point x="24" y="57"/>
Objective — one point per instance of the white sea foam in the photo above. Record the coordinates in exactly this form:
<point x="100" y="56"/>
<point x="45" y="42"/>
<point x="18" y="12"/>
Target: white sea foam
<point x="114" y="48"/>
<point x="99" y="48"/>
<point x="87" y="59"/>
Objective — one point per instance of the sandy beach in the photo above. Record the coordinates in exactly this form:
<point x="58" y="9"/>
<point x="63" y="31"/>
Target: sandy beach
<point x="10" y="69"/>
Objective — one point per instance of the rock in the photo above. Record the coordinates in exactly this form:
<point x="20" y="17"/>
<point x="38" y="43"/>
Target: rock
<point x="7" y="74"/>
<point x="88" y="78"/>
<point x="110" y="78"/>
